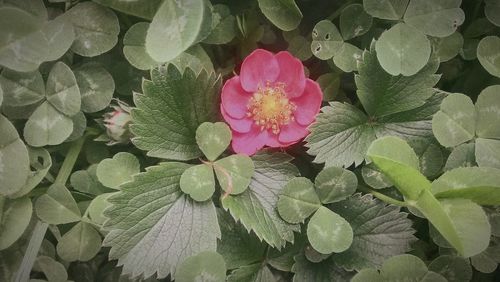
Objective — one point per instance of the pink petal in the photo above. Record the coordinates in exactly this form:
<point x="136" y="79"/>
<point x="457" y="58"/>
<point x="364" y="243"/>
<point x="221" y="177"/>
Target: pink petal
<point x="234" y="98"/>
<point x="258" y="68"/>
<point x="272" y="141"/>
<point x="292" y="132"/>
<point x="291" y="74"/>
<point x="240" y="125"/>
<point x="308" y="104"/>
<point x="248" y="143"/>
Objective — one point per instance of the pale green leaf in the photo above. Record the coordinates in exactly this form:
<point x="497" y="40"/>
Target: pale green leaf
<point x="488" y="54"/>
<point x="141" y="8"/>
<point x="34" y="7"/>
<point x="54" y="271"/>
<point x="96" y="29"/>
<point x="282" y="13"/>
<point x="80" y="243"/>
<point x="176" y="26"/>
<point x="488" y="113"/>
<point x="257" y="272"/>
<point x="134" y="47"/>
<point x="22" y="88"/>
<point x="41" y="161"/>
<point x="435" y="18"/>
<point x="118" y="170"/>
<point x="60" y="35"/>
<point x="347" y="57"/>
<point x="1" y="95"/>
<point x="374" y="177"/>
<point x="213" y="139"/>
<point x="96" y="87"/>
<point x="225" y="30"/>
<point x="198" y="182"/>
<point x="86" y="181"/>
<point x="448" y="47"/>
<point x="492" y="11"/>
<point x="455" y="123"/>
<point x="171" y="109"/>
<point x="47" y="126"/>
<point x="488" y="260"/>
<point x="386" y="9"/>
<point x="462" y="156"/>
<point x="62" y="90"/>
<point x="488" y="152"/>
<point x="328" y="232"/>
<point x="206" y="266"/>
<point x="453" y="268"/>
<point x="153" y="227"/>
<point x="334" y="184"/>
<point x="403" y="50"/>
<point x="298" y="200"/>
<point x="57" y="206"/>
<point x="326" y="40"/>
<point x="380" y="232"/>
<point x="256" y="207"/>
<point x="234" y="173"/>
<point x="79" y="126"/>
<point x="14" y="159"/>
<point x="354" y="21"/>
<point x="97" y="206"/>
<point x="15" y="215"/>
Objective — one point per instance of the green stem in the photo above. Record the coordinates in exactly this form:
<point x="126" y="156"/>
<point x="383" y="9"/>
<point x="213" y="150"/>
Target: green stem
<point x="69" y="161"/>
<point x="384" y="198"/>
<point x="339" y="10"/>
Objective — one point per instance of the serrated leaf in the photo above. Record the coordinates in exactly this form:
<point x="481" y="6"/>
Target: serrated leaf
<point x="298" y="200"/>
<point x="14" y="159"/>
<point x="198" y="182"/>
<point x="176" y="26"/>
<point x="234" y="173"/>
<point x="47" y="126"/>
<point x="96" y="29"/>
<point x="326" y="40"/>
<point x="96" y="87"/>
<point x="225" y="30"/>
<point x="80" y="243"/>
<point x="141" y="8"/>
<point x="62" y="90"/>
<point x="488" y="112"/>
<point x="354" y="21"/>
<point x="334" y="184"/>
<point x="22" y="88"/>
<point x="163" y="232"/>
<point x="282" y="13"/>
<point x="380" y="232"/>
<point x="435" y="18"/>
<point x="252" y="273"/>
<point x="171" y="109"/>
<point x="479" y="184"/>
<point x="213" y="139"/>
<point x="57" y="206"/>
<point x="256" y="207"/>
<point x="15" y="216"/>
<point x="453" y="268"/>
<point x="487" y="152"/>
<point x="324" y="271"/>
<point x="206" y="266"/>
<point x="134" y="47"/>
<point x="403" y="50"/>
<point x="448" y="47"/>
<point x="118" y="170"/>
<point x="455" y="123"/>
<point x="347" y="57"/>
<point x="386" y="9"/>
<point x="328" y="232"/>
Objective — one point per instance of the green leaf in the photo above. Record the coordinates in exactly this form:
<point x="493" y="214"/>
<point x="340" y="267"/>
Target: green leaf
<point x="461" y="156"/>
<point x="60" y="34"/>
<point x="256" y="207"/>
<point x="334" y="184"/>
<point x="234" y="173"/>
<point x="86" y="181"/>
<point x="326" y="40"/>
<point x="118" y="170"/>
<point x="325" y="271"/>
<point x="176" y="26"/>
<point x="400" y="268"/>
<point x="330" y="85"/>
<point x="80" y="243"/>
<point x="54" y="271"/>
<point x="448" y="47"/>
<point x="41" y="161"/>
<point x="453" y="268"/>
<point x="97" y="206"/>
<point x="380" y="232"/>
<point x="198" y="182"/>
<point x="347" y="57"/>
<point x="455" y="123"/>
<point x="22" y="88"/>
<point x="134" y="47"/>
<point x="374" y="177"/>
<point x="431" y="158"/>
<point x="403" y="50"/>
<point x="15" y="216"/>
<point x="257" y="272"/>
<point x="479" y="184"/>
<point x="488" y="260"/>
<point x="435" y="18"/>
<point x="57" y="206"/>
<point x="225" y="30"/>
<point x="62" y="90"/>
<point x="298" y="200"/>
<point x="488" y="152"/>
<point x="328" y="232"/>
<point x="213" y="139"/>
<point x="141" y="8"/>
<point x="299" y="46"/>
<point x="96" y="87"/>
<point x="153" y="227"/>
<point x="14" y="159"/>
<point x="205" y="266"/>
<point x="354" y="21"/>
<point x="492" y="11"/>
<point x="96" y="29"/>
<point x="282" y="13"/>
<point x="47" y="126"/>
<point x="488" y="112"/>
<point x="171" y="109"/>
<point x="386" y="9"/>
<point x="79" y="126"/>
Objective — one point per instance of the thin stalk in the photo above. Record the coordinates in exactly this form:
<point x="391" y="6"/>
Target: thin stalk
<point x="385" y="198"/>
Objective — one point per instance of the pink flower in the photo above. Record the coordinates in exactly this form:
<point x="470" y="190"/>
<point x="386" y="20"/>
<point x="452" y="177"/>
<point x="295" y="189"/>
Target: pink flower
<point x="271" y="103"/>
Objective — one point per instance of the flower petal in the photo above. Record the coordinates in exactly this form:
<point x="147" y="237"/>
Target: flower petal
<point x="292" y="132"/>
<point x="248" y="143"/>
<point x="234" y="98"/>
<point x="258" y="68"/>
<point x="239" y="125"/>
<point x="308" y="104"/>
<point x="291" y="74"/>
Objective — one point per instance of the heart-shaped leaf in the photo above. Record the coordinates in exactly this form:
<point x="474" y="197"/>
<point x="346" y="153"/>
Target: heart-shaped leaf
<point x="234" y="173"/>
<point x="435" y="18"/>
<point x="386" y="9"/>
<point x="117" y="170"/>
<point x="328" y="232"/>
<point x="326" y="40"/>
<point x="298" y="200"/>
<point x="15" y="217"/>
<point x="198" y="182"/>
<point x="334" y="184"/>
<point x="62" y="90"/>
<point x="488" y="54"/>
<point x="205" y="266"/>
<point x="213" y="139"/>
<point x="80" y="243"/>
<point x="57" y="206"/>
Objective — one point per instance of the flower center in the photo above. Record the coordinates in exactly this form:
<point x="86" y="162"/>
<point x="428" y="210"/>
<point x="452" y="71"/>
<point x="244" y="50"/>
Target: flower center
<point x="270" y="108"/>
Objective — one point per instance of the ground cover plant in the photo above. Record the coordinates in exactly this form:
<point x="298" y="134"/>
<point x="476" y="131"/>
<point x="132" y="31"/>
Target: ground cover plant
<point x="259" y="140"/>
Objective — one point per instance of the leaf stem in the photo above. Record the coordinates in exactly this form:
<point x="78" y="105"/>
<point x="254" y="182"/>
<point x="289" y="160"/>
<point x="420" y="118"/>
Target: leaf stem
<point x="384" y="198"/>
<point x="69" y="161"/>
